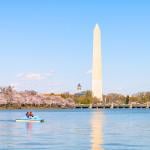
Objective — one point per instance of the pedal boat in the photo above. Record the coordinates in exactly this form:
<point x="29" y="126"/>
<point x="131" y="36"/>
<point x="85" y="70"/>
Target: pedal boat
<point x="31" y="119"/>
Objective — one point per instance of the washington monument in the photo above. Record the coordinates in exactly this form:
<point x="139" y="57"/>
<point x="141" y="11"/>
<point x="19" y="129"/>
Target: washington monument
<point x="97" y="65"/>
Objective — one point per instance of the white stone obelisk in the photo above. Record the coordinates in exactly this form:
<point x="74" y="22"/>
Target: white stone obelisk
<point x="97" y="65"/>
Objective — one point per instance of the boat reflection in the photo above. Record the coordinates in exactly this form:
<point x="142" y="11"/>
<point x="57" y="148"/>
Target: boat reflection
<point x="97" y="131"/>
<point x="29" y="126"/>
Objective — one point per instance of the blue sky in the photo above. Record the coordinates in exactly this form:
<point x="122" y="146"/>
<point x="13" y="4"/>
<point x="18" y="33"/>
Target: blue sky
<point x="47" y="45"/>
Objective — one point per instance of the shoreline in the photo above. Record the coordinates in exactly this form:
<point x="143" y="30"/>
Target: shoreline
<point x="82" y="106"/>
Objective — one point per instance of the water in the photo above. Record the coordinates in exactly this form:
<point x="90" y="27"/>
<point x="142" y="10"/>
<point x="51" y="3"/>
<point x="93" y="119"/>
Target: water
<point x="122" y="129"/>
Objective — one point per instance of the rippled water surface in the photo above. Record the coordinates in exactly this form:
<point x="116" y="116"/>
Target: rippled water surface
<point x="122" y="129"/>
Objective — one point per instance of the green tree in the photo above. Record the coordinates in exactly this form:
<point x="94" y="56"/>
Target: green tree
<point x="83" y="98"/>
<point x="127" y="99"/>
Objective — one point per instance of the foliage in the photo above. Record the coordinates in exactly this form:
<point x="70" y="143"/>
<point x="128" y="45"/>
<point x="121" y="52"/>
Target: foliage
<point x="127" y="99"/>
<point x="115" y="98"/>
<point x="141" y="97"/>
<point x="85" y="98"/>
<point x="8" y="93"/>
<point x="11" y="97"/>
<point x="30" y="92"/>
<point x="66" y="95"/>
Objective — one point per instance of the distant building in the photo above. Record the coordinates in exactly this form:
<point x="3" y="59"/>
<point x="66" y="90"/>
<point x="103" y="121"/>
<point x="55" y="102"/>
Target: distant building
<point x="79" y="87"/>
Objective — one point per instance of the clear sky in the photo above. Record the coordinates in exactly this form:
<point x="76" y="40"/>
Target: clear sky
<point x="46" y="45"/>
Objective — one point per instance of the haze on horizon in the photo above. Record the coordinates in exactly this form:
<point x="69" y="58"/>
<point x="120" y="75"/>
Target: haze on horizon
<point x="47" y="45"/>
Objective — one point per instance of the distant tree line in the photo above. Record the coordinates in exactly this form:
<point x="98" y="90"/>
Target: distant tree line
<point x="86" y="98"/>
<point x="10" y="97"/>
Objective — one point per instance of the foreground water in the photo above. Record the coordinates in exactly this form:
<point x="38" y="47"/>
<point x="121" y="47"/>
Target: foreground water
<point x="122" y="129"/>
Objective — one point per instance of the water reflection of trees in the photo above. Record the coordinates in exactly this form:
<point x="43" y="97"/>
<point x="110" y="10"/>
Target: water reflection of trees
<point x="97" y="131"/>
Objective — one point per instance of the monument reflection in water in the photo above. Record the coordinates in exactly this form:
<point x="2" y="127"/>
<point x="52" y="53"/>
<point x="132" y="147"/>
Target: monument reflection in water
<point x="97" y="131"/>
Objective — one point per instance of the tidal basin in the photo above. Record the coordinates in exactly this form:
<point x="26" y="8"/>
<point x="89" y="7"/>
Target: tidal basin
<point x="105" y="129"/>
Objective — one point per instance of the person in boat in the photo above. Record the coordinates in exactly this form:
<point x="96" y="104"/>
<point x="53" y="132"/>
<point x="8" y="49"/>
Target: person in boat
<point x="31" y="114"/>
<point x="27" y="115"/>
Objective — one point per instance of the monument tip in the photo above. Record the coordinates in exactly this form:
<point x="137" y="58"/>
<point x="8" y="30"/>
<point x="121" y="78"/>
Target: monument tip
<point x="97" y="27"/>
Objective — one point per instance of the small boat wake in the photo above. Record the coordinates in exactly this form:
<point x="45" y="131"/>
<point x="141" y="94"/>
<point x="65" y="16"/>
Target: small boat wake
<point x="6" y="120"/>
